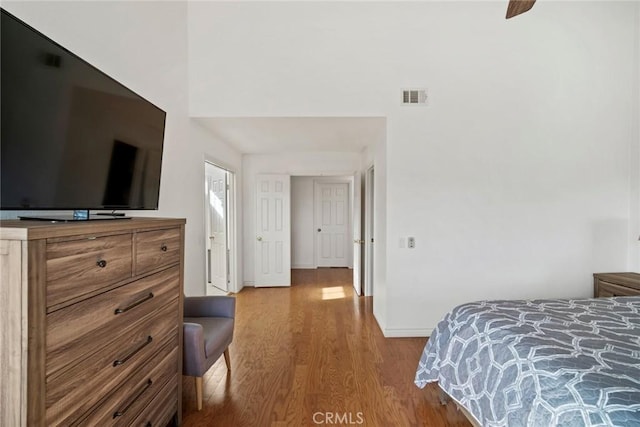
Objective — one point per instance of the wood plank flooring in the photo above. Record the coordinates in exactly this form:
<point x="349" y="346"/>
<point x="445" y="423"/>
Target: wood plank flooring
<point x="313" y="354"/>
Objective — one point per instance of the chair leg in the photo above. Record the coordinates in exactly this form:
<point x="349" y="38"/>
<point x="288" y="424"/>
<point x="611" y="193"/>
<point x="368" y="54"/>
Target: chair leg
<point x="226" y="358"/>
<point x="199" y="392"/>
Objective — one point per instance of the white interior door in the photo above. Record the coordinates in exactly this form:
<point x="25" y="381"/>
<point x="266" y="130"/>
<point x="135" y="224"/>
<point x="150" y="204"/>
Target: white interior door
<point x="332" y="224"/>
<point x="216" y="225"/>
<point x="273" y="231"/>
<point x="357" y="234"/>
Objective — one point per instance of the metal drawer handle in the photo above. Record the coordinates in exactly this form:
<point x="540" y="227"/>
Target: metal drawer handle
<point x="163" y="248"/>
<point x="101" y="263"/>
<point x="140" y="393"/>
<point x="135" y="304"/>
<point x="118" y="362"/>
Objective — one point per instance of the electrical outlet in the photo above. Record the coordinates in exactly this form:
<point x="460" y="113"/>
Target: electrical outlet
<point x="411" y="242"/>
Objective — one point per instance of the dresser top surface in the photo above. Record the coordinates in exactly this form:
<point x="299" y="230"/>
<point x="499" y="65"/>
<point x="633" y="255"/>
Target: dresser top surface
<point x="14" y="229"/>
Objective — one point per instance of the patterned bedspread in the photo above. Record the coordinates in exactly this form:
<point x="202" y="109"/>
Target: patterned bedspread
<point x="540" y="363"/>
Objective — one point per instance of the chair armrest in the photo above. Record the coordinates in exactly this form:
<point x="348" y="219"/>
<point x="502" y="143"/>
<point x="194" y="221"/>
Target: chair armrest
<point x="193" y="356"/>
<point x="210" y="306"/>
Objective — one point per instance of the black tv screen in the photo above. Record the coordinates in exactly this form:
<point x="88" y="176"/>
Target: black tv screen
<point x="71" y="136"/>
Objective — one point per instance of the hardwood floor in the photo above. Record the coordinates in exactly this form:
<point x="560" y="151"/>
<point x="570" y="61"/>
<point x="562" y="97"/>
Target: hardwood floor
<point x="313" y="354"/>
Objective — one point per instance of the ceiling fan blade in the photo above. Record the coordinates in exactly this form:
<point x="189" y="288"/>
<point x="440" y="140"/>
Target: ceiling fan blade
<point x="516" y="7"/>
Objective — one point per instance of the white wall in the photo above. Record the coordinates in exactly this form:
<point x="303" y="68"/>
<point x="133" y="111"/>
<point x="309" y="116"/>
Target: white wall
<point x="634" y="157"/>
<point x="534" y="194"/>
<point x="515" y="180"/>
<point x="144" y="46"/>
<point x="295" y="164"/>
<point x="380" y="218"/>
<point x="525" y="185"/>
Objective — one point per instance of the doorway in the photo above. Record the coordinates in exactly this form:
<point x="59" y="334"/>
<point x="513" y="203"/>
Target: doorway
<point x="321" y="221"/>
<point x="219" y="228"/>
<point x="326" y="223"/>
<point x="286" y="226"/>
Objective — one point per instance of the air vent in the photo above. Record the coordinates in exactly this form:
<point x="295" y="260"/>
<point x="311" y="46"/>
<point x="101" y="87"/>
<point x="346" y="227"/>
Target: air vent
<point x="414" y="96"/>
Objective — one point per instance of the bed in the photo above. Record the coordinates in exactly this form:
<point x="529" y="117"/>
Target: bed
<point x="540" y="362"/>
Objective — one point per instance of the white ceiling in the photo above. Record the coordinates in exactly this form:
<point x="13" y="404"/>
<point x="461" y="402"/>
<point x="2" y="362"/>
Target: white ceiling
<point x="262" y="135"/>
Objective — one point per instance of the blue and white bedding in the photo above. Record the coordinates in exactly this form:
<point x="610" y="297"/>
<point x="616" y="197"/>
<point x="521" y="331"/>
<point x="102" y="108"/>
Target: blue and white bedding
<point x="540" y="363"/>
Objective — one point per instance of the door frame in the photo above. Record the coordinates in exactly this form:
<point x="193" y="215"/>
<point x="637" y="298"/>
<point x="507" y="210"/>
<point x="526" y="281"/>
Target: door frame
<point x="369" y="231"/>
<point x="215" y="278"/>
<point x="358" y="225"/>
<point x="232" y="224"/>
<point x="347" y="176"/>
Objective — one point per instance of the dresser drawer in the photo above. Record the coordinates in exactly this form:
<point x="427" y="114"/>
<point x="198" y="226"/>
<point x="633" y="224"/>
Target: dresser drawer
<point x="78" y="267"/>
<point x="155" y="249"/>
<point x="610" y="290"/>
<point x="128" y="401"/>
<point x="81" y="329"/>
<point x="75" y="390"/>
<point x="159" y="412"/>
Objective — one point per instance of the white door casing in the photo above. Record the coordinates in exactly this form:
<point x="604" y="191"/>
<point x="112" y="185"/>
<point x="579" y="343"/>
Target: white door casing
<point x="369" y="232"/>
<point x="332" y="224"/>
<point x="273" y="230"/>
<point x="357" y="234"/>
<point x="216" y="227"/>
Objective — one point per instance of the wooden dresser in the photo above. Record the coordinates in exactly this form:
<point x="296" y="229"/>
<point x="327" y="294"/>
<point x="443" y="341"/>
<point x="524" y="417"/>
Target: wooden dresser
<point x="91" y="317"/>
<point x="616" y="284"/>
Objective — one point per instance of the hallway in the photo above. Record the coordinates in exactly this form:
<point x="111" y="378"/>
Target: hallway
<point x="311" y="355"/>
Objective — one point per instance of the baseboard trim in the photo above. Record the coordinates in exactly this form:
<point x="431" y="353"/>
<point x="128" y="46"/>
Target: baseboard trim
<point x="407" y="333"/>
<point x="303" y="267"/>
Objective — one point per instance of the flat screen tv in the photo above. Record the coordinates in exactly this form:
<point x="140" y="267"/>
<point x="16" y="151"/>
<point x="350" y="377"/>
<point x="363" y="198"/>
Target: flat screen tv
<point x="72" y="138"/>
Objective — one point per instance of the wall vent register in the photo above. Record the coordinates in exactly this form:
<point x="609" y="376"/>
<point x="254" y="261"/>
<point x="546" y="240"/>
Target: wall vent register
<point x="414" y="96"/>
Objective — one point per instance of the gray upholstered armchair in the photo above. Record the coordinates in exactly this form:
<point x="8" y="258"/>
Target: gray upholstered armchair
<point x="208" y="331"/>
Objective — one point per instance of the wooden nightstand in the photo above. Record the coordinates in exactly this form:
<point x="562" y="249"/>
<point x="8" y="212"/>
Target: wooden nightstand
<point x="616" y="284"/>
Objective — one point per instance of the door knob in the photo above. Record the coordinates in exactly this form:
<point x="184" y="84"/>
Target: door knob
<point x="319" y="230"/>
<point x="259" y="239"/>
